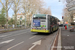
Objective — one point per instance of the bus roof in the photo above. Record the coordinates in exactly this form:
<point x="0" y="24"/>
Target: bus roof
<point x="44" y="15"/>
<point x="40" y="15"/>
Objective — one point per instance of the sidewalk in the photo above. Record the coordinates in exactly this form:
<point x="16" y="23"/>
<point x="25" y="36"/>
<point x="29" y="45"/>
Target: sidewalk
<point x="67" y="39"/>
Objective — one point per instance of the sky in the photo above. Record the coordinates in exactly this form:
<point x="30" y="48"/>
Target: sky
<point x="55" y="6"/>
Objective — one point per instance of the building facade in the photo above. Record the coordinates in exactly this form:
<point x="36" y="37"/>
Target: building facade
<point x="21" y="18"/>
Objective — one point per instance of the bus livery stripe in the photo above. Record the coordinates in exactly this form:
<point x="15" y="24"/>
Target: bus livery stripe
<point x="34" y="30"/>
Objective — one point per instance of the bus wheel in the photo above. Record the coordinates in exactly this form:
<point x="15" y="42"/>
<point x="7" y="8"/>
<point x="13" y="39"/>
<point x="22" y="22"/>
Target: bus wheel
<point x="38" y="32"/>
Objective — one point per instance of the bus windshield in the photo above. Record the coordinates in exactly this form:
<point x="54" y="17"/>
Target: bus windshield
<point x="39" y="16"/>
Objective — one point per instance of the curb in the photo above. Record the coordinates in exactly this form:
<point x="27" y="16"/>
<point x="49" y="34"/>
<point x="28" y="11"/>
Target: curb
<point x="53" y="47"/>
<point x="57" y="41"/>
<point x="10" y="30"/>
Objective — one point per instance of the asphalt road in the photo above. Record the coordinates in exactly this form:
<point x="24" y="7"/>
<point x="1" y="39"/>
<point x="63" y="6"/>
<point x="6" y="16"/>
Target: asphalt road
<point x="26" y="40"/>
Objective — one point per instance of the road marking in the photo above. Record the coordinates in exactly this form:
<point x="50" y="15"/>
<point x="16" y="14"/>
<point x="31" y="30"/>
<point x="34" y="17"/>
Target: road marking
<point x="15" y="45"/>
<point x="3" y="35"/>
<point x="6" y="41"/>
<point x="35" y="43"/>
<point x="59" y="41"/>
<point x="32" y="37"/>
<point x="14" y="35"/>
<point x="10" y="34"/>
<point x="67" y="35"/>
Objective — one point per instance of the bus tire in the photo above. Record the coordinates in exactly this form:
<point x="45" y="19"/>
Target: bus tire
<point x="52" y="30"/>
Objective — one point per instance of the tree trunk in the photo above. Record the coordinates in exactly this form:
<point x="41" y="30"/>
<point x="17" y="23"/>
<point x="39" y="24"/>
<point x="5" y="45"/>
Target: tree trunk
<point x="15" y="16"/>
<point x="6" y="15"/>
<point x="25" y="20"/>
<point x="15" y="19"/>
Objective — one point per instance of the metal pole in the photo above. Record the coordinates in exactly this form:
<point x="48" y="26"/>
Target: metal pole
<point x="59" y="0"/>
<point x="63" y="21"/>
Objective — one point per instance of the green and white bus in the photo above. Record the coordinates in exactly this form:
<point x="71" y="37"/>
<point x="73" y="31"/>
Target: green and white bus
<point x="43" y="23"/>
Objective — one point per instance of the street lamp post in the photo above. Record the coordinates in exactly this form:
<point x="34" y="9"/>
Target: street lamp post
<point x="63" y="20"/>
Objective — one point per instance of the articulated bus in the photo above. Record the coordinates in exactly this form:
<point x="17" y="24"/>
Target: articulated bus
<point x="44" y="23"/>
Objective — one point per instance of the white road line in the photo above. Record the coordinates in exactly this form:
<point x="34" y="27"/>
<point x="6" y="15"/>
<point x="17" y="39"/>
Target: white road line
<point x="32" y="37"/>
<point x="10" y="34"/>
<point x="15" y="35"/>
<point x="35" y="43"/>
<point x="15" y="45"/>
<point x="6" y="41"/>
<point x="4" y="35"/>
<point x="32" y="47"/>
<point x="59" y="41"/>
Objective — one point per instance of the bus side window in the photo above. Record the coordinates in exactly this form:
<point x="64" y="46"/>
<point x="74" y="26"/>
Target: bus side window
<point x="51" y="20"/>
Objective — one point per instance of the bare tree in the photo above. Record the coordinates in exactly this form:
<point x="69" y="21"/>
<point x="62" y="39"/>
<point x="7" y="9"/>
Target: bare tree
<point x="7" y="5"/>
<point x="45" y="11"/>
<point x="25" y="8"/>
<point x="31" y="7"/>
<point x="71" y="15"/>
<point x="67" y="15"/>
<point x="16" y="7"/>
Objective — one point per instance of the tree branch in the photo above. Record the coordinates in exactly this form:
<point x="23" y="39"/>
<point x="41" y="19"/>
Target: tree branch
<point x="2" y="3"/>
<point x="10" y="5"/>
